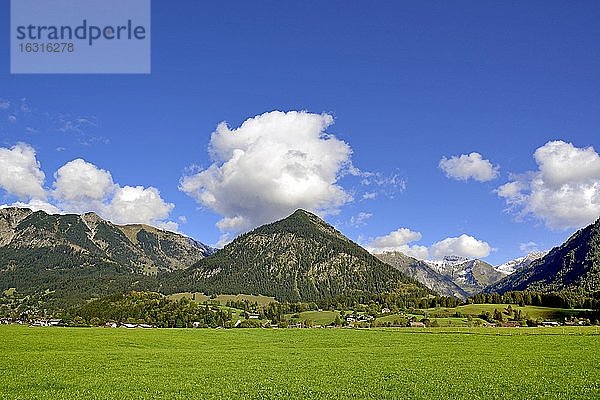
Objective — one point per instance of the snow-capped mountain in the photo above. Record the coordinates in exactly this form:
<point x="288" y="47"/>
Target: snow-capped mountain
<point x="471" y="275"/>
<point x="521" y="262"/>
<point x="419" y="270"/>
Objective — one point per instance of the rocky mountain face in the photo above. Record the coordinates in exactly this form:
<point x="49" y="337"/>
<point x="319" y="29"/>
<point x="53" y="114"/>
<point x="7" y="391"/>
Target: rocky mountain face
<point x="298" y="258"/>
<point x="140" y="248"/>
<point x="423" y="273"/>
<point x="512" y="266"/>
<point x="573" y="266"/>
<point x="80" y="253"/>
<point x="472" y="276"/>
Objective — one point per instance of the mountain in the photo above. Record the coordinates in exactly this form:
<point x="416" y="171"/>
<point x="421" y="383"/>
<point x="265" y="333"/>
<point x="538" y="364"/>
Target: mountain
<point x="511" y="266"/>
<point x="472" y="276"/>
<point x="298" y="258"/>
<point x="573" y="266"/>
<point x="423" y="273"/>
<point x="83" y="255"/>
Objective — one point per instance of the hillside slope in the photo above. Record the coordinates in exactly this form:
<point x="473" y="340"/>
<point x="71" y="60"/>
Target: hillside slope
<point x="298" y="258"/>
<point x="573" y="266"/>
<point x="84" y="255"/>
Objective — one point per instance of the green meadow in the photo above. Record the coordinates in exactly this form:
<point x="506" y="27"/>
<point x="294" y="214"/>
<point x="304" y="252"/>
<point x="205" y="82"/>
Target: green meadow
<point x="440" y="363"/>
<point x="531" y="311"/>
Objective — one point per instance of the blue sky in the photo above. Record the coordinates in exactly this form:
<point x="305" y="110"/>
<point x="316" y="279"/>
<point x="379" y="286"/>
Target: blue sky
<point x="406" y="84"/>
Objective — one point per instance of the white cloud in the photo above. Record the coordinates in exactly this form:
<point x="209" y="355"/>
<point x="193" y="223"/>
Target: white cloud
<point x="468" y="166"/>
<point x="399" y="240"/>
<point x="381" y="184"/>
<point x="464" y="246"/>
<point x="223" y="241"/>
<point x="138" y="204"/>
<point x="4" y="104"/>
<point x="564" y="191"/>
<point x="35" y="205"/>
<point x="182" y="219"/>
<point x="561" y="163"/>
<point x="79" y="181"/>
<point x="80" y="187"/>
<point x="20" y="172"/>
<point x="396" y="238"/>
<point x="528" y="247"/>
<point x="12" y="119"/>
<point x="359" y="219"/>
<point x="271" y="165"/>
<point x="369" y="195"/>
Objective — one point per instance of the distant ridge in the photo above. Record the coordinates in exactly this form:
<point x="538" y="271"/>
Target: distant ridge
<point x="421" y="271"/>
<point x="471" y="275"/>
<point x="511" y="266"/>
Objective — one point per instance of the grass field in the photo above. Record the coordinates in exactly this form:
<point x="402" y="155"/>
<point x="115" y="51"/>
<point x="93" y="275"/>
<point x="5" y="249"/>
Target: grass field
<point x="318" y="317"/>
<point x="97" y="363"/>
<point x="531" y="311"/>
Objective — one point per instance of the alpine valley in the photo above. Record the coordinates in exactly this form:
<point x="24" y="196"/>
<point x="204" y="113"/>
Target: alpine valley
<point x="71" y="258"/>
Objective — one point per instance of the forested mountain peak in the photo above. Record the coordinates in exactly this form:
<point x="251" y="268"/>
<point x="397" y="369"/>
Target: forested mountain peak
<point x="300" y="257"/>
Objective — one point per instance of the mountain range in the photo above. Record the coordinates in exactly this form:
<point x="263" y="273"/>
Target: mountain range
<point x="82" y="256"/>
<point x="422" y="272"/>
<point x="471" y="275"/>
<point x="71" y="258"/>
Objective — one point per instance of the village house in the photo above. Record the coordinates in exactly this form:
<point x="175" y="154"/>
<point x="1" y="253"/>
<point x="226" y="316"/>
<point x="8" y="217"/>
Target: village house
<point x="550" y="323"/>
<point x="362" y="318"/>
<point x="415" y="324"/>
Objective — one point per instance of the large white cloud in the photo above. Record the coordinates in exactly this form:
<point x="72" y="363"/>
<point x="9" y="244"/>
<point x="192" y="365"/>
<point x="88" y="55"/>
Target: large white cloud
<point x="469" y="166"/>
<point x="399" y="240"/>
<point x="79" y="181"/>
<point x="564" y="191"/>
<point x="464" y="246"/>
<point x="20" y="172"/>
<point x="138" y="205"/>
<point x="271" y="165"/>
<point x="80" y="187"/>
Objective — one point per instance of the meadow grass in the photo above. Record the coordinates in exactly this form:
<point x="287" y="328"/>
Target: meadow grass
<point x="319" y="317"/>
<point x="442" y="363"/>
<point x="531" y="311"/>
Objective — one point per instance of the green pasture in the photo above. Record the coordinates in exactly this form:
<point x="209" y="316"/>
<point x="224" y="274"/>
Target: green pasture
<point x="532" y="312"/>
<point x="442" y="363"/>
